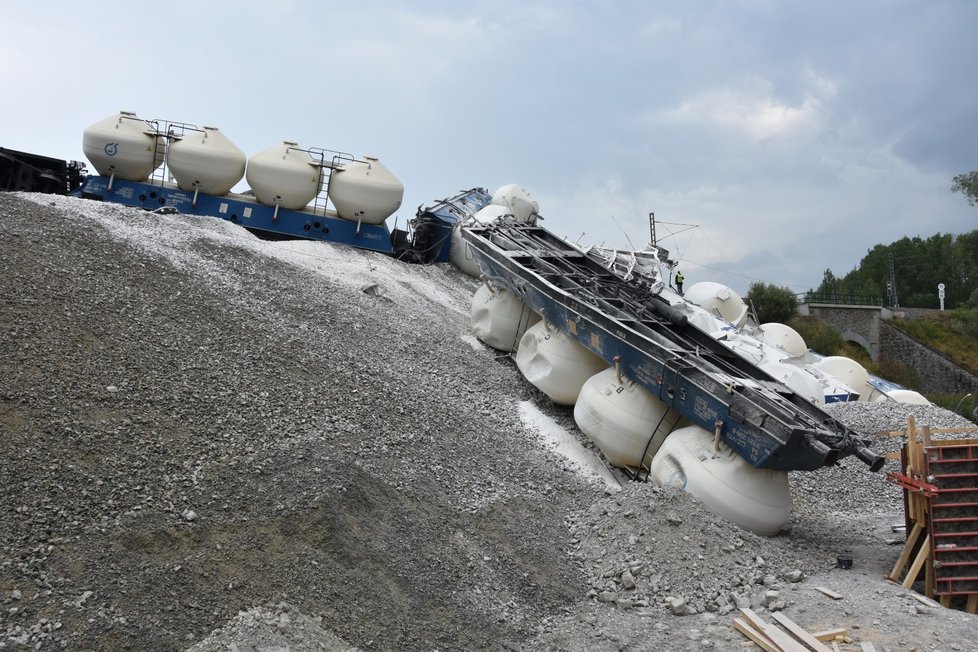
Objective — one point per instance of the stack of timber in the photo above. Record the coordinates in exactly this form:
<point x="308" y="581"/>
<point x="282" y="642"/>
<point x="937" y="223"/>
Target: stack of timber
<point x="940" y="483"/>
<point x="790" y="636"/>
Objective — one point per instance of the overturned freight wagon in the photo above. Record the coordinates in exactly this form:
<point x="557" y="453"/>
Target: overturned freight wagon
<point x="711" y="408"/>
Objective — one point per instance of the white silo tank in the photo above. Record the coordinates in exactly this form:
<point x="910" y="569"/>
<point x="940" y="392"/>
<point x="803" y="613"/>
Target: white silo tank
<point x="555" y="363"/>
<point x="284" y="175"/>
<point x="499" y="318"/>
<point x="758" y="500"/>
<point x="490" y="213"/>
<point x="460" y="252"/>
<point x="365" y="191"/>
<point x="517" y="201"/>
<point x="908" y="396"/>
<point x="718" y="300"/>
<point x="621" y="418"/>
<point x="848" y="372"/>
<point x="796" y="379"/>
<point x="205" y="160"/>
<point x="783" y="337"/>
<point x="124" y="146"/>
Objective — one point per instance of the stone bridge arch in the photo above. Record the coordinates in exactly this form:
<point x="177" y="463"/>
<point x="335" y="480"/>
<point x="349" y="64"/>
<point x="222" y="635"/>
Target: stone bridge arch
<point x="871" y="328"/>
<point x="858" y="324"/>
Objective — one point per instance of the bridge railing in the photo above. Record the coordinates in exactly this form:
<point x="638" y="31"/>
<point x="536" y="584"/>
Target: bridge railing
<point x="841" y="299"/>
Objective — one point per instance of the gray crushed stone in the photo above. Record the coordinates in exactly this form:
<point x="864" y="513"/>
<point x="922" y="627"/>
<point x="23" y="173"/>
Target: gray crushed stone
<point x="217" y="443"/>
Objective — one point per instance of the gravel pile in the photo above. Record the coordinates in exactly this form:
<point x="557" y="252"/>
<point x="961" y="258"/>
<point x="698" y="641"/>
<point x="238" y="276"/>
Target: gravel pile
<point x="870" y="419"/>
<point x="273" y="628"/>
<point x="196" y="422"/>
<point x="215" y="442"/>
<point x="714" y="566"/>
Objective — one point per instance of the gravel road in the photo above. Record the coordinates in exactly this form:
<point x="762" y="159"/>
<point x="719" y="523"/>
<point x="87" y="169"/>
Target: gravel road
<point x="213" y="442"/>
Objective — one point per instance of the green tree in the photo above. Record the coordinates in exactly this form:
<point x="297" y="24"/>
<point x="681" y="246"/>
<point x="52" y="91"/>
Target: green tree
<point x="967" y="185"/>
<point x="819" y="336"/>
<point x="827" y="288"/>
<point x="772" y="303"/>
<point x="919" y="266"/>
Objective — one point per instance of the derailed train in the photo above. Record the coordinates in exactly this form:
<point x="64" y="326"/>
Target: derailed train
<point x="679" y="389"/>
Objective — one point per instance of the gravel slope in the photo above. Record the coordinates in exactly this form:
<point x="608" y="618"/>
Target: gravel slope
<point x="296" y="445"/>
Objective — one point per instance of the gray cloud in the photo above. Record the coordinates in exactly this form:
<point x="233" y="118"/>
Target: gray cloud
<point x="797" y="135"/>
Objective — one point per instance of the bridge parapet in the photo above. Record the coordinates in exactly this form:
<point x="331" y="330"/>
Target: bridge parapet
<point x="839" y="299"/>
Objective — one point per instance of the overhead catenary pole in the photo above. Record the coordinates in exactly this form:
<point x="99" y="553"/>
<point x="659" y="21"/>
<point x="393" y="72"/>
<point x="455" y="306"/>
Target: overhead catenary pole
<point x="891" y="286"/>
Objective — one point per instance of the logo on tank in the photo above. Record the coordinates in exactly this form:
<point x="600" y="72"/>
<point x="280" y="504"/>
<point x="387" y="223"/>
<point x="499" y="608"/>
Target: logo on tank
<point x="111" y="149"/>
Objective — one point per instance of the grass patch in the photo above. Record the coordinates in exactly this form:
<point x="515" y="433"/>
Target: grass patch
<point x="951" y="333"/>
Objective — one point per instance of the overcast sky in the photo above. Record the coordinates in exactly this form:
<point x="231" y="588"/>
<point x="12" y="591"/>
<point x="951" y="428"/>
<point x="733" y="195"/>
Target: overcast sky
<point x="794" y="135"/>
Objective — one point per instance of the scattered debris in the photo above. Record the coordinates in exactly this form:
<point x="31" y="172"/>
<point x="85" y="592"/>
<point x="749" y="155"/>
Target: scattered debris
<point x="792" y="638"/>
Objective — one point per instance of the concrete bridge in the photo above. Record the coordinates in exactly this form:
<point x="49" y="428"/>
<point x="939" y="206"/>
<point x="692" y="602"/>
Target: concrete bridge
<point x="871" y="328"/>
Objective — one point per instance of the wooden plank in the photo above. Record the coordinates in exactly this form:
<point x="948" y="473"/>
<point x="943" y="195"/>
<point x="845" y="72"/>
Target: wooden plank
<point x="924" y="600"/>
<point x="799" y="632"/>
<point x="953" y="442"/>
<point x="917" y="563"/>
<point x="935" y="431"/>
<point x="972" y="606"/>
<point x="829" y="592"/>
<point x="912" y="470"/>
<point x="911" y="446"/>
<point x="911" y="503"/>
<point x="762" y="641"/>
<point x="867" y="647"/>
<point x="946" y="601"/>
<point x="907" y="550"/>
<point x="776" y="636"/>
<point x="830" y="634"/>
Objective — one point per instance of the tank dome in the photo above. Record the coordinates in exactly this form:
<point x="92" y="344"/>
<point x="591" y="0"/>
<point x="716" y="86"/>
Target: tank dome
<point x="622" y="418"/>
<point x="490" y="212"/>
<point x="719" y="300"/>
<point x="518" y="201"/>
<point x="460" y="253"/>
<point x="908" y="396"/>
<point x="365" y="191"/>
<point x="797" y="379"/>
<point x="205" y="160"/>
<point x="285" y="175"/>
<point x="499" y="318"/>
<point x="125" y="146"/>
<point x="555" y="363"/>
<point x="758" y="500"/>
<point x="847" y="371"/>
<point x="783" y="337"/>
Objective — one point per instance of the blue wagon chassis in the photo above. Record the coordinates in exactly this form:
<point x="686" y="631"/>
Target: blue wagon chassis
<point x="241" y="210"/>
<point x="759" y="418"/>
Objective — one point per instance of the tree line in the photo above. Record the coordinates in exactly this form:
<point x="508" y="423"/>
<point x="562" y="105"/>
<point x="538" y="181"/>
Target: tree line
<point x="907" y="273"/>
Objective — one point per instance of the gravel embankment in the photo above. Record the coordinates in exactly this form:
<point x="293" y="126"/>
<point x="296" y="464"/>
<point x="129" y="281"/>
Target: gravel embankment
<point x="296" y="445"/>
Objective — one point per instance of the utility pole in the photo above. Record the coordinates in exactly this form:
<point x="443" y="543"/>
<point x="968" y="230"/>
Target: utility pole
<point x="891" y="287"/>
